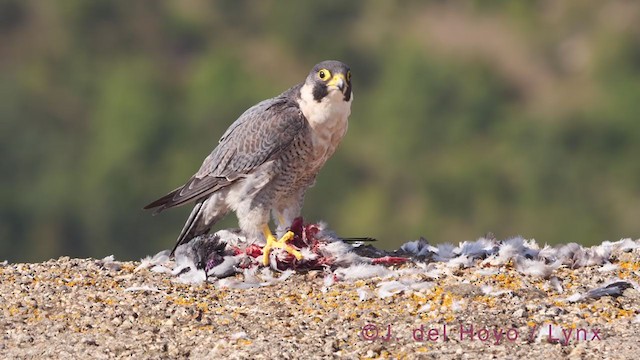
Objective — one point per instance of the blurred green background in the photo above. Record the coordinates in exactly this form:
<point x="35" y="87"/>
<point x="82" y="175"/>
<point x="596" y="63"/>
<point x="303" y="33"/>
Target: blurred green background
<point x="515" y="117"/>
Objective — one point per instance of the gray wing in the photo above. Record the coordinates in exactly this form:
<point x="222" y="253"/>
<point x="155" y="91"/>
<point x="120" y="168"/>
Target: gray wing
<point x="256" y="137"/>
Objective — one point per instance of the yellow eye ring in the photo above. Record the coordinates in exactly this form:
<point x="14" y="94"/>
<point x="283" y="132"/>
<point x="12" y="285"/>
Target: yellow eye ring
<point x="324" y="74"/>
<point x="348" y="75"/>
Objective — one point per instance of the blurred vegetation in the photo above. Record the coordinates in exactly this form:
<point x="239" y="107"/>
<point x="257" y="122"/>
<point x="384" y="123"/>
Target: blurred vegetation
<point x="516" y="117"/>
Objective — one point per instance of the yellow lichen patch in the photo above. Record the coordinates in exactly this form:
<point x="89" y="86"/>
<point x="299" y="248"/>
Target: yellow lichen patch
<point x="178" y="300"/>
<point x="447" y="299"/>
<point x="491" y="301"/>
<point x="205" y="328"/>
<point x="632" y="266"/>
<point x="13" y="311"/>
<point x="627" y="269"/>
<point x="353" y="316"/>
<point x="448" y="318"/>
<point x="625" y="313"/>
<point x="244" y="342"/>
<point x="508" y="281"/>
<point x="203" y="306"/>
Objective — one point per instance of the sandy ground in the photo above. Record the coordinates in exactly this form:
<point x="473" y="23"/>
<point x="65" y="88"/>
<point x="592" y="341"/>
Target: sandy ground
<point x="78" y="308"/>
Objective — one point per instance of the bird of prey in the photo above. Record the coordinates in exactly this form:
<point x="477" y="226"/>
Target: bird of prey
<point x="267" y="159"/>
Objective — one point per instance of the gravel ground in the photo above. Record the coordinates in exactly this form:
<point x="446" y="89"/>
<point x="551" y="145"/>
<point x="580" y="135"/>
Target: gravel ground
<point x="76" y="308"/>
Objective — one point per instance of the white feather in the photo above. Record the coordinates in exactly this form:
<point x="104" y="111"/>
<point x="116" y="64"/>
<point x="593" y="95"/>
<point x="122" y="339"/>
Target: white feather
<point x="445" y="252"/>
<point x="486" y="271"/>
<point x="390" y="288"/>
<point x="574" y="298"/>
<point x="362" y="271"/>
<point x="191" y="277"/>
<point x="160" y="258"/>
<point x="462" y="261"/>
<point x="608" y="267"/>
<point x="556" y="285"/>
<point x="536" y="267"/>
<point x="327" y="282"/>
<point x="364" y="293"/>
<point x="239" y="335"/>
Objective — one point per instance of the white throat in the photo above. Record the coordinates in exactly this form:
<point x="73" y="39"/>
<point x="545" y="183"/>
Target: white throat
<point x="332" y="109"/>
<point x="328" y="118"/>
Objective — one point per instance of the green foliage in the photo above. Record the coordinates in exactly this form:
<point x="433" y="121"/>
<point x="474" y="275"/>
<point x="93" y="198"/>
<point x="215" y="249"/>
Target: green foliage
<point x="501" y="116"/>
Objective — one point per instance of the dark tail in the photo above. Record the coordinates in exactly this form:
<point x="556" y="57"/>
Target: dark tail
<point x="161" y="203"/>
<point x="356" y="239"/>
<point x="190" y="227"/>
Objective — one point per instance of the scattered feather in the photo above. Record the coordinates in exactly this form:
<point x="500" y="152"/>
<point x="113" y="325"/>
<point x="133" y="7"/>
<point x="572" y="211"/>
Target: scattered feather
<point x="422" y="285"/>
<point x="536" y="267"/>
<point x="161" y="269"/>
<point x="430" y="270"/>
<point x="390" y="288"/>
<point x="328" y="280"/>
<point x="191" y="277"/>
<point x="445" y="252"/>
<point x="362" y="271"/>
<point x="269" y="279"/>
<point x="574" y="298"/>
<point x="608" y="267"/>
<point x="109" y="263"/>
<point x="418" y="247"/>
<point x="556" y="285"/>
<point x="614" y="289"/>
<point x="486" y="271"/>
<point x="477" y="249"/>
<point x="308" y="255"/>
<point x="627" y="245"/>
<point x="160" y="258"/>
<point x="364" y="293"/>
<point x="508" y="250"/>
<point x="548" y="253"/>
<point x="488" y="290"/>
<point x="239" y="335"/>
<point x="460" y="262"/>
<point x="341" y="253"/>
<point x="233" y="283"/>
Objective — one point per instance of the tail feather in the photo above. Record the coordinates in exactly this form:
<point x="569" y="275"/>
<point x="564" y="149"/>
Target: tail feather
<point x="356" y="239"/>
<point x="161" y="203"/>
<point x="195" y="188"/>
<point x="187" y="232"/>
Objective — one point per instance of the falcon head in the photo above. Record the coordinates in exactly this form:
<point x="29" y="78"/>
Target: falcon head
<point x="329" y="78"/>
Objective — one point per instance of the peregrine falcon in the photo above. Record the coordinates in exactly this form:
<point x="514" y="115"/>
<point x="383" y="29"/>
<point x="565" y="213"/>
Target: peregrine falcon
<point x="267" y="159"/>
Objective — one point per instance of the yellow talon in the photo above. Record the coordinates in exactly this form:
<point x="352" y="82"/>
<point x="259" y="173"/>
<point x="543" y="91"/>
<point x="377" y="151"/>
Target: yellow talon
<point x="282" y="244"/>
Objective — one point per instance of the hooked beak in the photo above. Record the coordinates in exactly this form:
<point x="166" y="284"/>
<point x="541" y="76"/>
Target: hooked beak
<point x="338" y="81"/>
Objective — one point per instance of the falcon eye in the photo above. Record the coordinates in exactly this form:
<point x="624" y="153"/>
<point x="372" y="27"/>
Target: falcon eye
<point x="348" y="75"/>
<point x="324" y="74"/>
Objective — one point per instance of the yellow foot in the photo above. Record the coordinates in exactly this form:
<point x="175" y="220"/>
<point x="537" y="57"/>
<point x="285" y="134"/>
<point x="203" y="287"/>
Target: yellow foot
<point x="282" y="244"/>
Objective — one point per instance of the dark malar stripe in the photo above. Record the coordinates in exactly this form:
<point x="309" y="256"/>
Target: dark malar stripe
<point x="347" y="94"/>
<point x="320" y="91"/>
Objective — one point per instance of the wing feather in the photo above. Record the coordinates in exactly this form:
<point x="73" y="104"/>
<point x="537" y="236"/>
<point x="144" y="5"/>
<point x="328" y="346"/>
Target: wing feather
<point x="256" y="137"/>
